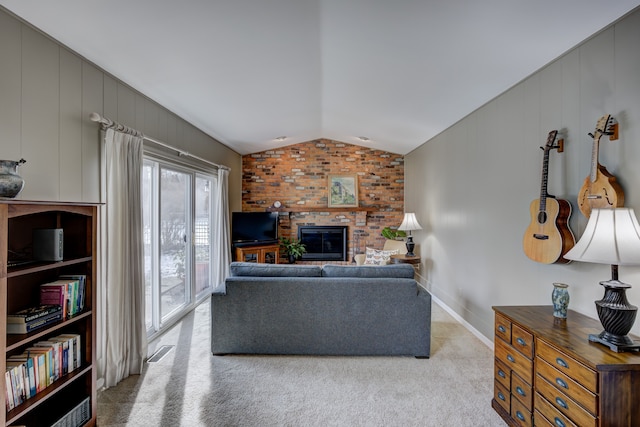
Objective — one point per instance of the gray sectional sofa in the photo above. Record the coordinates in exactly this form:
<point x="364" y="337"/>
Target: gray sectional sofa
<point x="321" y="310"/>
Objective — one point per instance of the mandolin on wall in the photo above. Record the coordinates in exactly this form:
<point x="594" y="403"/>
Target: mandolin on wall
<point x="600" y="188"/>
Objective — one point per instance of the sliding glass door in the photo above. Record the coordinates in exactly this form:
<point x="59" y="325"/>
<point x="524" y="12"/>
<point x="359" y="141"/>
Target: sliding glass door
<point x="177" y="234"/>
<point x="174" y="240"/>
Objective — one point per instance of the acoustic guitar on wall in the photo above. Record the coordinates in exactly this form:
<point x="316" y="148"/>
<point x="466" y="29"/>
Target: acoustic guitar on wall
<point x="548" y="236"/>
<point x="600" y="188"/>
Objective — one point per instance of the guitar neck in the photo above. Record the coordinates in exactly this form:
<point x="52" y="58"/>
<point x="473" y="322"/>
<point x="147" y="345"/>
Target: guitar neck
<point x="543" y="182"/>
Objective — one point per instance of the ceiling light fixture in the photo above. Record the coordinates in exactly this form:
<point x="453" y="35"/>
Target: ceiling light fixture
<point x="364" y="138"/>
<point x="281" y="138"/>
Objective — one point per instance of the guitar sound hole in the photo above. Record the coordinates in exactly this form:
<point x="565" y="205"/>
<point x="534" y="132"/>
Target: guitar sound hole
<point x="542" y="217"/>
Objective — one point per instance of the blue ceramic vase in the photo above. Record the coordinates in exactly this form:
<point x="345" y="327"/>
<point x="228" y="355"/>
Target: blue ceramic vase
<point x="560" y="299"/>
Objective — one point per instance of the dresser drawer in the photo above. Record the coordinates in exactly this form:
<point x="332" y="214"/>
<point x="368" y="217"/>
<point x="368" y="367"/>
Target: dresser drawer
<point x="522" y="341"/>
<point x="515" y="360"/>
<point x="546" y="415"/>
<point x="563" y="404"/>
<point x="522" y="391"/>
<point x="502" y="374"/>
<point x="520" y="413"/>
<point x="567" y="385"/>
<point x="503" y="328"/>
<point x="569" y="366"/>
<point x="502" y="396"/>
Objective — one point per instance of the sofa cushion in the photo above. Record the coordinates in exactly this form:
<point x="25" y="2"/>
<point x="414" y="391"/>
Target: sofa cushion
<point x="404" y="271"/>
<point x="274" y="270"/>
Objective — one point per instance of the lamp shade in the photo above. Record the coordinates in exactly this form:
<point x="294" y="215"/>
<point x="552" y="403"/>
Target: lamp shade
<point x="612" y="236"/>
<point x="409" y="222"/>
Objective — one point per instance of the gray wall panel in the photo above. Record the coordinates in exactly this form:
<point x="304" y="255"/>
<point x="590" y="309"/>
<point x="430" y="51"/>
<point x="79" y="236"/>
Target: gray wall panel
<point x="627" y="94"/>
<point x="70" y="126"/>
<point x="40" y="116"/>
<point x="93" y="98"/>
<point x="10" y="88"/>
<point x="151" y="119"/>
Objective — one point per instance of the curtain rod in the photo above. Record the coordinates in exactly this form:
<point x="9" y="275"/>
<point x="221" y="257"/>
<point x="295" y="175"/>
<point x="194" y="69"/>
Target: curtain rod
<point x="108" y="123"/>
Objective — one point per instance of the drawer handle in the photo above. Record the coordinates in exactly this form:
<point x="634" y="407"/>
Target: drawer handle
<point x="558" y="422"/>
<point x="501" y="329"/>
<point x="520" y="391"/>
<point x="562" y="383"/>
<point x="521" y="342"/>
<point x="510" y="358"/>
<point x="561" y="362"/>
<point x="519" y="415"/>
<point x="501" y="396"/>
<point x="562" y="403"/>
<point x="502" y="374"/>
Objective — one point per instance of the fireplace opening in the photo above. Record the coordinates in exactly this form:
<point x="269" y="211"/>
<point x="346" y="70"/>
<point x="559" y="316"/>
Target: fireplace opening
<point x="324" y="242"/>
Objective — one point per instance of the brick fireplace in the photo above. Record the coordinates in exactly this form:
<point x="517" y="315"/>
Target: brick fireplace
<point x="297" y="176"/>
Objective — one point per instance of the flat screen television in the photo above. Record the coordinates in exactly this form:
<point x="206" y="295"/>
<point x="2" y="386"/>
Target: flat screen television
<point x="254" y="227"/>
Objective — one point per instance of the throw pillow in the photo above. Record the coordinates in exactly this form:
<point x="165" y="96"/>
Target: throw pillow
<point x="377" y="256"/>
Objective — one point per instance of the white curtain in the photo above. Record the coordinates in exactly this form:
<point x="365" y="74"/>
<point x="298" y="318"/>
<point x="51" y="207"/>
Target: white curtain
<point x="221" y="227"/>
<point x="125" y="331"/>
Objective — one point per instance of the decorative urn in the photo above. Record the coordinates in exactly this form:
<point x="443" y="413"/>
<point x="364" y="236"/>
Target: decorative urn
<point x="11" y="183"/>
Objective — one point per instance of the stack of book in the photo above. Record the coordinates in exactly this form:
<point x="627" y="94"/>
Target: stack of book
<point x="30" y="319"/>
<point x="39" y="366"/>
<point x="67" y="291"/>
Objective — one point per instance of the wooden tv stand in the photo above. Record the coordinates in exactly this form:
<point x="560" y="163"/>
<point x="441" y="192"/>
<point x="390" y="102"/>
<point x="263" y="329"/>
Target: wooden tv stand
<point x="268" y="254"/>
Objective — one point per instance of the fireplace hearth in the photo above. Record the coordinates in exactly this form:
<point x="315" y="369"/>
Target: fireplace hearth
<point x="324" y="242"/>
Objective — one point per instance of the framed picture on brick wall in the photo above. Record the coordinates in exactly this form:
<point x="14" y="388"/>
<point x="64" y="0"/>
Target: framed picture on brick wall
<point x="343" y="191"/>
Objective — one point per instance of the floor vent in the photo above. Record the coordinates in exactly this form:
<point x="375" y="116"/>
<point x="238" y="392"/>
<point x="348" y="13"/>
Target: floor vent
<point x="160" y="353"/>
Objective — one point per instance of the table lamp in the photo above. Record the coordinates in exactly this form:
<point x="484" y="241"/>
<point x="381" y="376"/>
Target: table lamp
<point x="612" y="236"/>
<point x="410" y="223"/>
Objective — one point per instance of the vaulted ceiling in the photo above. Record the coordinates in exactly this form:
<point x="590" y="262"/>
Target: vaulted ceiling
<point x="248" y="71"/>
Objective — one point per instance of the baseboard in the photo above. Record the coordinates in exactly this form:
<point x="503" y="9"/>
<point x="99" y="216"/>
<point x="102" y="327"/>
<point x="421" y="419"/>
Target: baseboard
<point x="486" y="341"/>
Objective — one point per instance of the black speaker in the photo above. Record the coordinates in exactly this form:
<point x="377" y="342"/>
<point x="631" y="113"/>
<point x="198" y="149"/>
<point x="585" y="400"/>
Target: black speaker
<point x="48" y="244"/>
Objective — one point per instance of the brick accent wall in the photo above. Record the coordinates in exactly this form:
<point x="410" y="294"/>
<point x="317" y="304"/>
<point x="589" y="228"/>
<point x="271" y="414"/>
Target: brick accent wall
<point x="297" y="176"/>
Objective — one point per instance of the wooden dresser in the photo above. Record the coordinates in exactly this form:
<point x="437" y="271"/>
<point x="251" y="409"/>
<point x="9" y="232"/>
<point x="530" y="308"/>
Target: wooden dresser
<point x="547" y="373"/>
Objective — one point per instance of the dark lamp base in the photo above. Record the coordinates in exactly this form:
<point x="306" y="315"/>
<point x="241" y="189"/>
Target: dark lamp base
<point x="410" y="245"/>
<point x="614" y="342"/>
<point x="617" y="317"/>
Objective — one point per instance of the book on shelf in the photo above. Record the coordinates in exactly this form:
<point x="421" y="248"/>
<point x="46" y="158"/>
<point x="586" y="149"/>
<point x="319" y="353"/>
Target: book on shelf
<point x="75" y="350"/>
<point x="55" y="293"/>
<point x="33" y="313"/>
<point x="55" y="353"/>
<point x="30" y="363"/>
<point x="8" y="390"/>
<point x="66" y="292"/>
<point x="65" y="344"/>
<point x="25" y="328"/>
<point x="82" y="285"/>
<point x="39" y="368"/>
<point x="45" y="365"/>
<point x="19" y="379"/>
<point x="17" y="383"/>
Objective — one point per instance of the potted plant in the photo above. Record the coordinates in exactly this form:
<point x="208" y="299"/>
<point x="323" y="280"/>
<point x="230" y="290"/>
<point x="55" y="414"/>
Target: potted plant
<point x="392" y="234"/>
<point x="292" y="248"/>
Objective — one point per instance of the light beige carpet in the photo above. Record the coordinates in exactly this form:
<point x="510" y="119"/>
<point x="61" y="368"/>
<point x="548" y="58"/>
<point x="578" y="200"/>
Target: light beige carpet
<point x="190" y="387"/>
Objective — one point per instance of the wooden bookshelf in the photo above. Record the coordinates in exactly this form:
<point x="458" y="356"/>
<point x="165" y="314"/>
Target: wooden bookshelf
<point x="20" y="287"/>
